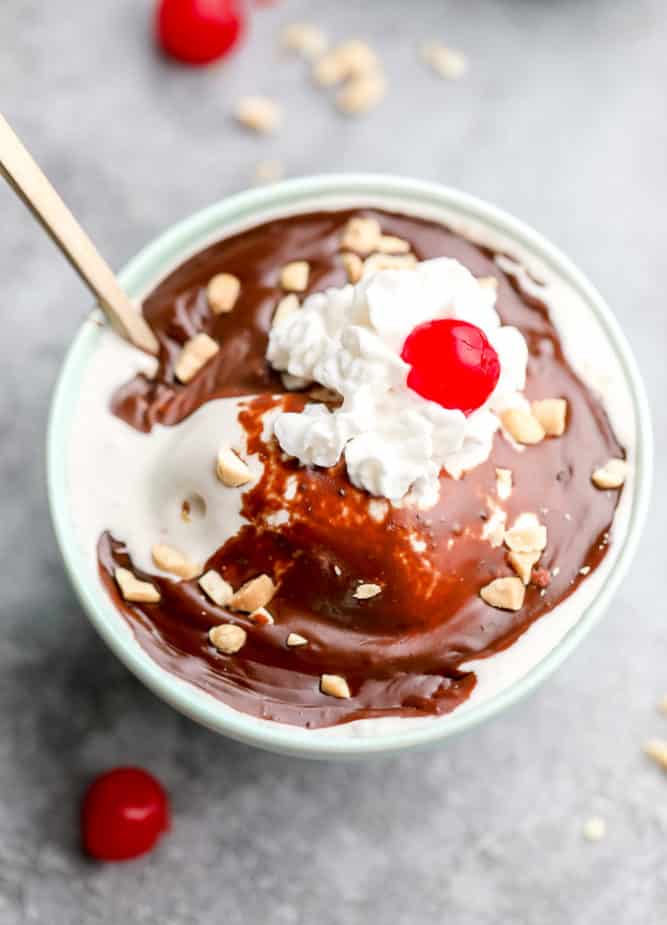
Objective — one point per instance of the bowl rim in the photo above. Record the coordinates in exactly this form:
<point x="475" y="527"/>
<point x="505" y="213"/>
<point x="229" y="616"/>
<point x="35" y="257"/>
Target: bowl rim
<point x="166" y="249"/>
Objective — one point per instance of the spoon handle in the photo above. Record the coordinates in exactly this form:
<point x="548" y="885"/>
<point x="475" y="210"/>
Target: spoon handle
<point x="28" y="181"/>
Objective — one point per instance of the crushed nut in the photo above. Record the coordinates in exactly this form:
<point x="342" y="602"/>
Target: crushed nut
<point x="522" y="426"/>
<point x="305" y="39"/>
<point x="522" y="563"/>
<point x="294" y="276"/>
<point x="269" y="171"/>
<point x="362" y="93"/>
<point x="389" y="244"/>
<point x="222" y="292"/>
<point x="259" y="113"/>
<point x="365" y="591"/>
<point x="611" y="475"/>
<point x="527" y="535"/>
<point x="488" y="282"/>
<point x="230" y="468"/>
<point x="335" y="686"/>
<point x="134" y="590"/>
<point x="595" y="828"/>
<point x="504" y="593"/>
<point x="285" y="307"/>
<point x="388" y="262"/>
<point x="171" y="560"/>
<point x="254" y="594"/>
<point x="214" y="586"/>
<point x="349" y="60"/>
<point x="446" y="62"/>
<point x="262" y="617"/>
<point x="194" y="356"/>
<point x="503" y="483"/>
<point x="228" y="638"/>
<point x="361" y="235"/>
<point x="551" y="413"/>
<point x="296" y="639"/>
<point x="354" y="266"/>
<point x="657" y="750"/>
<point x="584" y="570"/>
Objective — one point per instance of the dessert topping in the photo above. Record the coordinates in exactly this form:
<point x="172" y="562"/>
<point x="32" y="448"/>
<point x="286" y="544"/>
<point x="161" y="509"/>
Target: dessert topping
<point x="522" y="563"/>
<point x="133" y="590"/>
<point x="552" y="414"/>
<point x="262" y="617"/>
<point x="231" y="469"/>
<point x="335" y="686"/>
<point x="305" y="38"/>
<point x="503" y="483"/>
<point x="228" y="638"/>
<point x="194" y="356"/>
<point x="365" y="591"/>
<point x="504" y="593"/>
<point x="390" y="244"/>
<point x="214" y="586"/>
<point x="124" y="813"/>
<point x="296" y="639"/>
<point x="171" y="560"/>
<point x="389" y="262"/>
<point x="294" y="276"/>
<point x="222" y="292"/>
<point x="527" y="535"/>
<point x="351" y="59"/>
<point x="522" y="426"/>
<point x="362" y="93"/>
<point x="446" y="62"/>
<point x="361" y="235"/>
<point x="611" y="475"/>
<point x="254" y="594"/>
<point x="285" y="307"/>
<point x="259" y="113"/>
<point x="452" y="363"/>
<point x="354" y="266"/>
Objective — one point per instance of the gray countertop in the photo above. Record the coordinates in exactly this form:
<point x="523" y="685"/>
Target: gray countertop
<point x="562" y="121"/>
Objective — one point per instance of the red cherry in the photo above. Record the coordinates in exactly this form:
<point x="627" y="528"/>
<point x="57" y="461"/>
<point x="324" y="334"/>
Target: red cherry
<point x="198" y="31"/>
<point x="124" y="813"/>
<point x="452" y="362"/>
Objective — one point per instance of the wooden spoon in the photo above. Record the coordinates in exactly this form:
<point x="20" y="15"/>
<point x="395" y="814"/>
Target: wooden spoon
<point x="28" y="181"/>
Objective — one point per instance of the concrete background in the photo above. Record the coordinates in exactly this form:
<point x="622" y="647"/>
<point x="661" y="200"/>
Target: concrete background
<point x="561" y="120"/>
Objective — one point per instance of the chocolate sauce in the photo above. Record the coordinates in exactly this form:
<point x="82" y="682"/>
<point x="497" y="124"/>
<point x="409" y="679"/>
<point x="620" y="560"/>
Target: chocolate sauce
<point x="400" y="651"/>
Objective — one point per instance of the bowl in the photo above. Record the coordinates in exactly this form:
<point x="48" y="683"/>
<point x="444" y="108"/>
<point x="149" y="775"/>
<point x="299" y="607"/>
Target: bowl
<point x="613" y="361"/>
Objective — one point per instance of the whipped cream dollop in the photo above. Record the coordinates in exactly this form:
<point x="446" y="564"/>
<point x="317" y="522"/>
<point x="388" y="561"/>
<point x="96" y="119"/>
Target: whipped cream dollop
<point x="394" y="442"/>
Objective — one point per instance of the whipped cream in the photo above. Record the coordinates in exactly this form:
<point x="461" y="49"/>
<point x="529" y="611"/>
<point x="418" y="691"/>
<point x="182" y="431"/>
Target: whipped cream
<point x="394" y="441"/>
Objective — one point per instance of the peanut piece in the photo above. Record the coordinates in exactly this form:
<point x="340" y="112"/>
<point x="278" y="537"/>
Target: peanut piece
<point x="365" y="591"/>
<point x="361" y="235"/>
<point x="222" y="292"/>
<point x="214" y="586"/>
<point x="611" y="475"/>
<point x="230" y="469"/>
<point x="551" y="413"/>
<point x="134" y="590"/>
<point x="522" y="563"/>
<point x="285" y="307"/>
<point x="171" y="560"/>
<point x="522" y="426"/>
<point x="296" y="639"/>
<point x="195" y="354"/>
<point x="228" y="638"/>
<point x="259" y="113"/>
<point x="254" y="594"/>
<point x="504" y="593"/>
<point x="294" y="276"/>
<point x="335" y="686"/>
<point x="354" y="266"/>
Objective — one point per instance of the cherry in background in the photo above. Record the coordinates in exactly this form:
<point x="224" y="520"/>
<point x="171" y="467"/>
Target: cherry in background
<point x="452" y="363"/>
<point x="124" y="813"/>
<point x="198" y="32"/>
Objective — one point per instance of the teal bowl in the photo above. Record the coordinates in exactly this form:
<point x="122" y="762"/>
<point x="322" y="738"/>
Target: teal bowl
<point x="414" y="197"/>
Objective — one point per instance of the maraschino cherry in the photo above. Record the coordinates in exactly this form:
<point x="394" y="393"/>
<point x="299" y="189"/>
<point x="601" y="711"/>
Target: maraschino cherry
<point x="452" y="363"/>
<point x="124" y="813"/>
<point x="199" y="31"/>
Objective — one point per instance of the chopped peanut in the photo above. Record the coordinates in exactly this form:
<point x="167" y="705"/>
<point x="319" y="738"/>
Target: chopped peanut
<point x="228" y="638"/>
<point x="222" y="292"/>
<point x="446" y="62"/>
<point x="361" y="236"/>
<point x="262" y="617"/>
<point x="195" y="354"/>
<point x="488" y="282"/>
<point x="285" y="307"/>
<point x="503" y="483"/>
<point x="171" y="560"/>
<point x="611" y="475"/>
<point x="657" y="750"/>
<point x="522" y="563"/>
<point x="522" y="426"/>
<point x="304" y="38"/>
<point x="362" y="93"/>
<point x="335" y="686"/>
<point x="134" y="590"/>
<point x="296" y="639"/>
<point x="259" y="113"/>
<point x="365" y="591"/>
<point x="351" y="59"/>
<point x="294" y="276"/>
<point x="551" y="413"/>
<point x="378" y="262"/>
<point x="527" y="535"/>
<point x="253" y="594"/>
<point x="504" y="593"/>
<point x="354" y="266"/>
<point x="214" y="586"/>
<point x="388" y="244"/>
<point x="230" y="468"/>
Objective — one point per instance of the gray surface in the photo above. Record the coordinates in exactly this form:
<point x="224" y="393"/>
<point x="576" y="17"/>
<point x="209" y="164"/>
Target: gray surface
<point x="561" y="121"/>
